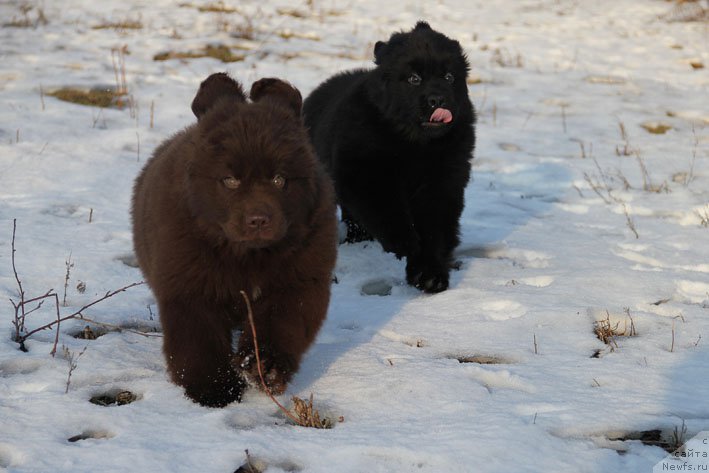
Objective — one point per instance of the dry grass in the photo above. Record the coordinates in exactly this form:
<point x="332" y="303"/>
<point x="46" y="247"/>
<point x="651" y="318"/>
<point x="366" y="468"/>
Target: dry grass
<point x="607" y="331"/>
<point x="216" y="7"/>
<point x="27" y="20"/>
<point x="656" y="128"/>
<point x="295" y="13"/>
<point x="245" y="29"/>
<point x="311" y="12"/>
<point x="648" y="185"/>
<point x="503" y="58"/>
<point x="629" y="221"/>
<point x="73" y="359"/>
<point x="290" y="34"/>
<point x="601" y="185"/>
<point x="307" y="415"/>
<point x="686" y="11"/>
<point x="87" y="333"/>
<point x="219" y="51"/>
<point x="696" y="64"/>
<point x="102" y="97"/>
<point x="703" y="215"/>
<point x="627" y="149"/>
<point x="121" y="26"/>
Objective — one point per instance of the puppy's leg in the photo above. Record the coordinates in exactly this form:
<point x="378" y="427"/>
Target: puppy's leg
<point x="355" y="231"/>
<point x="429" y="269"/>
<point x="286" y="325"/>
<point x="380" y="208"/>
<point x="436" y="215"/>
<point x="197" y="347"/>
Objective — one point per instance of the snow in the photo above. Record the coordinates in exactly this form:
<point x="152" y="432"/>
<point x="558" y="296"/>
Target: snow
<point x="543" y="254"/>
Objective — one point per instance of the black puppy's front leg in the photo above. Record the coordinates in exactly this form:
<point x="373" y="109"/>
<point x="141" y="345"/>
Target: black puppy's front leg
<point x="378" y="207"/>
<point x="429" y="269"/>
<point x="436" y="213"/>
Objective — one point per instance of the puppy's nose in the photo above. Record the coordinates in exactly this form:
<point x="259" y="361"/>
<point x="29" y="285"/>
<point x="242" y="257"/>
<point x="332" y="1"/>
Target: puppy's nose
<point x="435" y="101"/>
<point x="258" y="221"/>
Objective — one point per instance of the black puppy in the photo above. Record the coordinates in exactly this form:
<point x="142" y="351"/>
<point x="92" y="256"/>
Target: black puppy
<point x="398" y="140"/>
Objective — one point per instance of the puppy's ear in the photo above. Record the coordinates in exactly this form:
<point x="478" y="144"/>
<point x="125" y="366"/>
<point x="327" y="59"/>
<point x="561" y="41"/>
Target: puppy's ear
<point x="380" y="48"/>
<point x="213" y="88"/>
<point x="279" y="91"/>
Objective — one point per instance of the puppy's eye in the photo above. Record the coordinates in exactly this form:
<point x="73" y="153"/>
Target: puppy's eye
<point x="414" y="79"/>
<point x="231" y="182"/>
<point x="449" y="78"/>
<point x="279" y="181"/>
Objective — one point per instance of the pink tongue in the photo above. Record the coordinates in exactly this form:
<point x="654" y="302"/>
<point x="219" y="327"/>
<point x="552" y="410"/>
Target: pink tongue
<point x="441" y="115"/>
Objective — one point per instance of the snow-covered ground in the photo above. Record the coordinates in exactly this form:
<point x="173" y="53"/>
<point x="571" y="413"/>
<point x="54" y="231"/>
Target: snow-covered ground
<point x="576" y="213"/>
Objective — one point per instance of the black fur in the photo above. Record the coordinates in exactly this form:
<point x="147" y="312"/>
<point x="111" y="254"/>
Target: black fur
<point x="400" y="178"/>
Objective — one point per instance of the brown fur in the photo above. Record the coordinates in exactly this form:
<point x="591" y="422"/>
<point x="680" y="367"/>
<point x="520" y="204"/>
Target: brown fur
<point x="200" y="242"/>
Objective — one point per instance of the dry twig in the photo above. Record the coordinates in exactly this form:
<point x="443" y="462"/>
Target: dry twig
<point x="69" y="265"/>
<point x="630" y="222"/>
<point x="305" y="415"/>
<point x="21" y="312"/>
<point x="73" y="359"/>
<point x="250" y="314"/>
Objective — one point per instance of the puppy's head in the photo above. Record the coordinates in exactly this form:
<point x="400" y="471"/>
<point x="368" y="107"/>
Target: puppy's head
<point x="420" y="82"/>
<point x="252" y="176"/>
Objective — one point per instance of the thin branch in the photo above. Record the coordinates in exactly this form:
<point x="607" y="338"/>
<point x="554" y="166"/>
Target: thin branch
<point x="20" y="307"/>
<point x="75" y="314"/>
<point x="672" y="347"/>
<point x="690" y="174"/>
<point x="67" y="276"/>
<point x="56" y="335"/>
<point x="73" y="360"/>
<point x="39" y="306"/>
<point x="35" y="299"/>
<point x="595" y="187"/>
<point x="630" y="222"/>
<point x="19" y="322"/>
<point x="258" y="361"/>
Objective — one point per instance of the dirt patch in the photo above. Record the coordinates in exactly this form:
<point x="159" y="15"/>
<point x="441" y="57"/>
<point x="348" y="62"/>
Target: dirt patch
<point x="91" y="434"/>
<point x="118" y="397"/>
<point x="89" y="333"/>
<point x="482" y="359"/>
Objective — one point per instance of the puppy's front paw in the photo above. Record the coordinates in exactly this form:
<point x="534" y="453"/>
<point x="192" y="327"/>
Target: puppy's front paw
<point x="276" y="369"/>
<point x="216" y="393"/>
<point x="433" y="283"/>
<point x="427" y="279"/>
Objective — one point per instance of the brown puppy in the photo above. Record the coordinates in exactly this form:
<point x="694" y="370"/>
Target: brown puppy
<point x="236" y="202"/>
